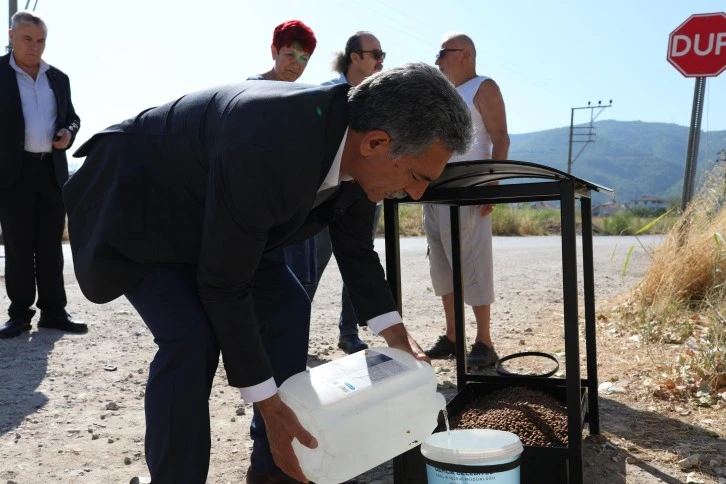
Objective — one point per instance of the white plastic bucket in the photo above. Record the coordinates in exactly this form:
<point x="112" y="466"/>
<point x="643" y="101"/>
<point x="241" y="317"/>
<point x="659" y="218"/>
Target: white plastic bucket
<point x="363" y="409"/>
<point x="472" y="456"/>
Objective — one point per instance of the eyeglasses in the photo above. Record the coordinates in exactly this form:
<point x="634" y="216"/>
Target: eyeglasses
<point x="443" y="52"/>
<point x="376" y="53"/>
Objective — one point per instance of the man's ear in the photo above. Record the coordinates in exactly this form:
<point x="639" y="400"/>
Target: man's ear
<point x="374" y="142"/>
<point x="274" y="51"/>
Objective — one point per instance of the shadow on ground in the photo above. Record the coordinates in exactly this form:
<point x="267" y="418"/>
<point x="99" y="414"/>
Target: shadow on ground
<point x="23" y="365"/>
<point x="607" y="461"/>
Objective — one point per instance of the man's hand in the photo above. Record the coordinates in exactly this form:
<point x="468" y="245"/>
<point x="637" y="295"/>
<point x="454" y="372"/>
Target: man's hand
<point x="283" y="426"/>
<point x="397" y="337"/>
<point x="62" y="139"/>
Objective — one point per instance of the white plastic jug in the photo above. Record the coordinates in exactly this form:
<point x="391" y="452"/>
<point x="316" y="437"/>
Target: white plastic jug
<point x="363" y="409"/>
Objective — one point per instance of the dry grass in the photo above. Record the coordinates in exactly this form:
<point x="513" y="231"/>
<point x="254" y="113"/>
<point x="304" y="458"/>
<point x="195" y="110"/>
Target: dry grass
<point x="682" y="297"/>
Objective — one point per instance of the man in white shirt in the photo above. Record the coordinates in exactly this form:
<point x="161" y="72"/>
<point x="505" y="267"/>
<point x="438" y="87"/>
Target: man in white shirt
<point x="39" y="124"/>
<point x="457" y="61"/>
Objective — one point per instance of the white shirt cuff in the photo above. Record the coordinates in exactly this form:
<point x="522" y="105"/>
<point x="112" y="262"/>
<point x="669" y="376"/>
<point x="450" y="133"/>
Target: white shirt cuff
<point x="258" y="392"/>
<point x="384" y="321"/>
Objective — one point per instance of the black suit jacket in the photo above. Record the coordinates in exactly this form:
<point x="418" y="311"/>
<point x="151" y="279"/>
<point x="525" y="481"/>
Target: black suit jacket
<point x="215" y="179"/>
<point x="12" y="123"/>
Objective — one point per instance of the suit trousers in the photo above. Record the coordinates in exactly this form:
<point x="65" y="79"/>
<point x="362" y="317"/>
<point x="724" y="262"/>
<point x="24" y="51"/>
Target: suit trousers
<point x="180" y="377"/>
<point x="32" y="217"/>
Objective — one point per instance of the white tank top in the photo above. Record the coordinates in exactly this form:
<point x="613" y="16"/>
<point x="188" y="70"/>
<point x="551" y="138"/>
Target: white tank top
<point x="482" y="147"/>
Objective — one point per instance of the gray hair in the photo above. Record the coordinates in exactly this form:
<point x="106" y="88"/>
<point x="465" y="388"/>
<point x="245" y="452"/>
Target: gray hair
<point x="27" y="17"/>
<point x="416" y="105"/>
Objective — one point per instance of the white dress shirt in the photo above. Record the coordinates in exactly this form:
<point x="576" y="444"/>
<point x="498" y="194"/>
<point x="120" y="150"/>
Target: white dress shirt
<point x="39" y="108"/>
<point x="267" y="388"/>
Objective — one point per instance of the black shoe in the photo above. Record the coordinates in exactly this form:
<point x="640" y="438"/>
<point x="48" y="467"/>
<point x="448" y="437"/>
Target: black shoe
<point x="351" y="343"/>
<point x="14" y="327"/>
<point x="62" y="322"/>
<point x="256" y="476"/>
<point x="481" y="355"/>
<point x="443" y="348"/>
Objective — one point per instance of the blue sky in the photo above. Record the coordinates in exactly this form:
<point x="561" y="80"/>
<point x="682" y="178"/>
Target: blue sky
<point x="126" y="55"/>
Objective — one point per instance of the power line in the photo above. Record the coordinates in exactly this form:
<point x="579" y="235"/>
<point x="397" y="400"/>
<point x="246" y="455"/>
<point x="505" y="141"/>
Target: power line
<point x="583" y="134"/>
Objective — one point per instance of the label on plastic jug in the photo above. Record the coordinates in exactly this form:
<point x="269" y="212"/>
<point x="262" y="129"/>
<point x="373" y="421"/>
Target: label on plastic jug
<point x="365" y="369"/>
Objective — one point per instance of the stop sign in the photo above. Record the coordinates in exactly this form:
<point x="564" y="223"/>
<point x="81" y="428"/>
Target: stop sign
<point x="697" y="48"/>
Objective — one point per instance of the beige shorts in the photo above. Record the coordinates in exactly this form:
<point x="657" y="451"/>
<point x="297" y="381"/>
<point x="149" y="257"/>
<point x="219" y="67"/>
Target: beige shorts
<point x="476" y="252"/>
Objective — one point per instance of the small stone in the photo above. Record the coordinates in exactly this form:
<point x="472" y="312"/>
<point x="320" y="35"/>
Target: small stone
<point x="689" y="462"/>
<point x="127" y="460"/>
<point x="112" y="406"/>
<point x="94" y="437"/>
<point x="110" y="441"/>
<point x="240" y="410"/>
<point x="233" y="419"/>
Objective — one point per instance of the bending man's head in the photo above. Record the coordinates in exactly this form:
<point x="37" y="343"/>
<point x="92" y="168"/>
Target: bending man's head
<point x="408" y="121"/>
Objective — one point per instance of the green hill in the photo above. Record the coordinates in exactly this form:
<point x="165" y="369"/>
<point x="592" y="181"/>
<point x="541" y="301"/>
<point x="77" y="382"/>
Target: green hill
<point x="632" y="157"/>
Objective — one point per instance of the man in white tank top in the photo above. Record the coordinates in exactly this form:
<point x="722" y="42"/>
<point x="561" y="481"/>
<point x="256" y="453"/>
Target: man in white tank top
<point x="457" y="60"/>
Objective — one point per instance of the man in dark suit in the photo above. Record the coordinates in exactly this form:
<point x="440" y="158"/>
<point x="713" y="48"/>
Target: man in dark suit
<point x="180" y="207"/>
<point x="38" y="124"/>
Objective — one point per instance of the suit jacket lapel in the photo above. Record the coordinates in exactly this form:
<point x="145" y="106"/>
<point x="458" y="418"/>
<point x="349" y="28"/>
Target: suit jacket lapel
<point x="9" y="84"/>
<point x="337" y="123"/>
<point x="59" y="106"/>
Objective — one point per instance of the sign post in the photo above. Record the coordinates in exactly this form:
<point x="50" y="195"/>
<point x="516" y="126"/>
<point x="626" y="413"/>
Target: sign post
<point x="697" y="48"/>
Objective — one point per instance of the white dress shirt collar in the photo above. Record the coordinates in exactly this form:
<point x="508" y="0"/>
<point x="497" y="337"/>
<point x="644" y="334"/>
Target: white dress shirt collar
<point x="333" y="177"/>
<point x="44" y="66"/>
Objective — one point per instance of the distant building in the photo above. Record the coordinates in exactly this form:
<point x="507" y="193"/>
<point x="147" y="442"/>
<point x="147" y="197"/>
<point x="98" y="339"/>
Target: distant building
<point x="650" y="203"/>
<point x="608" y="208"/>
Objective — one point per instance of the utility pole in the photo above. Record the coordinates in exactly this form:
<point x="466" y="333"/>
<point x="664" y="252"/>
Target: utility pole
<point x="12" y="8"/>
<point x="694" y="136"/>
<point x="583" y="134"/>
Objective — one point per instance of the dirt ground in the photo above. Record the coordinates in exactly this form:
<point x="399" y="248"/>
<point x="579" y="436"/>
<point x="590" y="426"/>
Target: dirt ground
<point x="65" y="418"/>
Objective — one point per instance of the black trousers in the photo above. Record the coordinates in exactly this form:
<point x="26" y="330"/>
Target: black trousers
<point x="178" y="439"/>
<point x="32" y="217"/>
